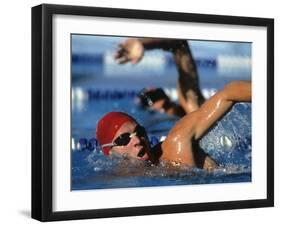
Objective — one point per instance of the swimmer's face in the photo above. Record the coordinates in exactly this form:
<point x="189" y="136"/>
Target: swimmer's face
<point x="138" y="146"/>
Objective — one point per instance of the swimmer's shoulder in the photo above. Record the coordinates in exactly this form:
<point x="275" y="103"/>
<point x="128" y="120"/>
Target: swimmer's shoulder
<point x="179" y="141"/>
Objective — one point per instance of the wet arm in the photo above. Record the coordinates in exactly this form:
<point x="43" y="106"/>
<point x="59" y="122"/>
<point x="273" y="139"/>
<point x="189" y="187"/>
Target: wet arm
<point x="218" y="105"/>
<point x="183" y="137"/>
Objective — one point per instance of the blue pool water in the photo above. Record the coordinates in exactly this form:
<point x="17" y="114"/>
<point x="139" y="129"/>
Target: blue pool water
<point x="100" y="86"/>
<point x="229" y="142"/>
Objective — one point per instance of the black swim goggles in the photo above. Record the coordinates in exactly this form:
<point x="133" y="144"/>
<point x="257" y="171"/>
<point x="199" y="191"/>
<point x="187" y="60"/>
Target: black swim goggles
<point x="124" y="138"/>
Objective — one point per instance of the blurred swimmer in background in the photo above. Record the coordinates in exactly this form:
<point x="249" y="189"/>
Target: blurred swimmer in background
<point x="188" y="90"/>
<point x="119" y="133"/>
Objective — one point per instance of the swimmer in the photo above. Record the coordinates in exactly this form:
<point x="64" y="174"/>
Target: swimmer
<point x="119" y="133"/>
<point x="189" y="94"/>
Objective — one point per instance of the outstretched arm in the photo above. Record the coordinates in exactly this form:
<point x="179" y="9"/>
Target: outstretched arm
<point x="132" y="49"/>
<point x="190" y="96"/>
<point x="180" y="144"/>
<point x="218" y="105"/>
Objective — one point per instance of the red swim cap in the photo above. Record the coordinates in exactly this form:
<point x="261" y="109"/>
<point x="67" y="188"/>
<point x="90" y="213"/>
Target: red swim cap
<point x="108" y="126"/>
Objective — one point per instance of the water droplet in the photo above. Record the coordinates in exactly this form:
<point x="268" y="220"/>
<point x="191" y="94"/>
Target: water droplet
<point x="225" y="142"/>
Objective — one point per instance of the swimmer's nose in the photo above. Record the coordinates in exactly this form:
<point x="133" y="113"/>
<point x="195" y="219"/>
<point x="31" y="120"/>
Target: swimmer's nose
<point x="135" y="140"/>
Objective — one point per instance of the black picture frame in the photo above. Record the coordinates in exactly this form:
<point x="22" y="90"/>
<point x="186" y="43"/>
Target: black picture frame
<point x="42" y="108"/>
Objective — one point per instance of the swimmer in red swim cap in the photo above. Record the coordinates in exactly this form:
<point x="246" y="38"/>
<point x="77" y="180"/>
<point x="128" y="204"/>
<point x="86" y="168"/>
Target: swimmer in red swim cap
<point x="120" y="133"/>
<point x="117" y="132"/>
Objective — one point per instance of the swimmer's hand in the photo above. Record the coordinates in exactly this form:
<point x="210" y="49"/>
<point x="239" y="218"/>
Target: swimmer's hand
<point x="130" y="50"/>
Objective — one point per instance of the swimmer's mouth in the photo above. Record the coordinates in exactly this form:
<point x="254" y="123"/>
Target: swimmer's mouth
<point x="141" y="153"/>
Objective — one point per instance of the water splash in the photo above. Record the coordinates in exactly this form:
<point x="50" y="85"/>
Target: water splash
<point x="229" y="142"/>
<point x="230" y="139"/>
